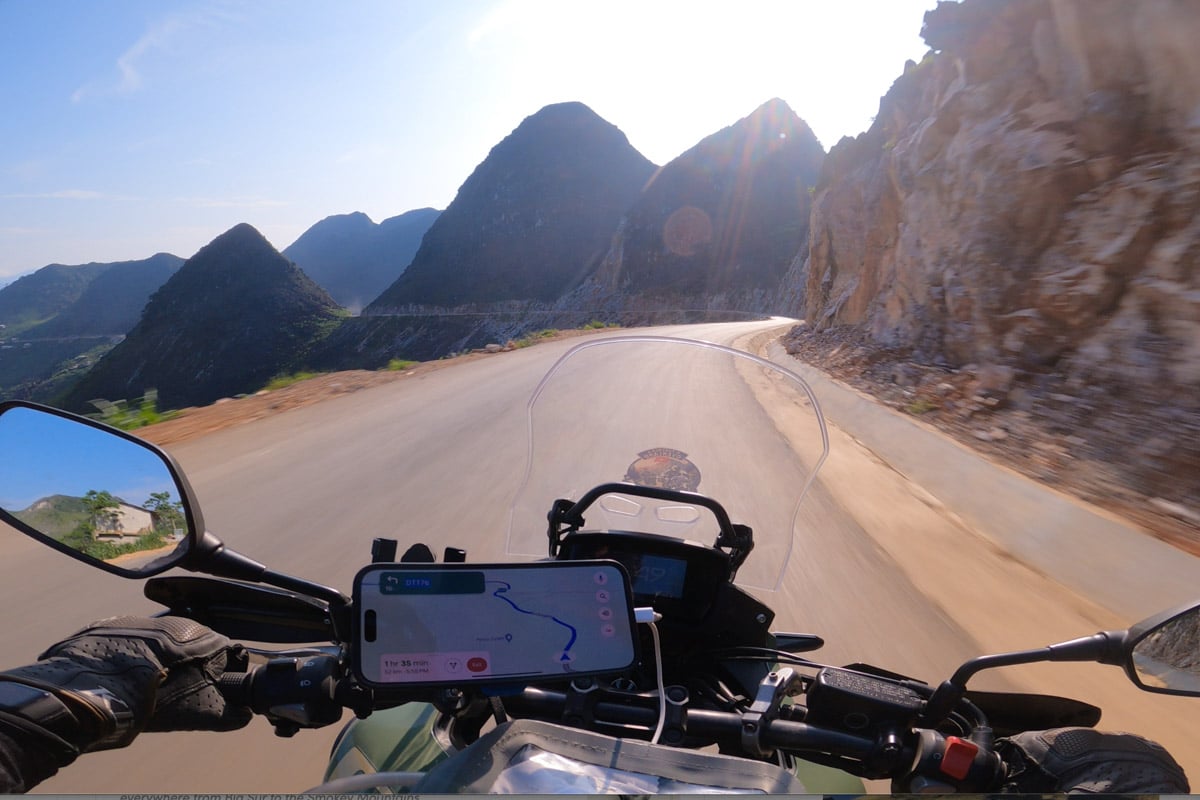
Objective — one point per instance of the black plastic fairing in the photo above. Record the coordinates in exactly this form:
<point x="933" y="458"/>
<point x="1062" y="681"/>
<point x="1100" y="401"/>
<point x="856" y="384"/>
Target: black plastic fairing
<point x="245" y="611"/>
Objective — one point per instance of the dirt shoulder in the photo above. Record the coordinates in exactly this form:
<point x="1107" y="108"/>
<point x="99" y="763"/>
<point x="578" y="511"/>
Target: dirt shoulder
<point x="1135" y="461"/>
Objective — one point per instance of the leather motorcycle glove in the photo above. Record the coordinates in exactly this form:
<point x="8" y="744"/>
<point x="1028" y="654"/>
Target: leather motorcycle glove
<point x="121" y="676"/>
<point x="1087" y="761"/>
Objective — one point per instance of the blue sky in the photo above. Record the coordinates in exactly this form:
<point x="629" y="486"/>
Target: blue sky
<point x="129" y="127"/>
<point x="47" y="455"/>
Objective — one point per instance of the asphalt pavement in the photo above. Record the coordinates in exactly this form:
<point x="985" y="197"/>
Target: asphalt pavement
<point x="438" y="459"/>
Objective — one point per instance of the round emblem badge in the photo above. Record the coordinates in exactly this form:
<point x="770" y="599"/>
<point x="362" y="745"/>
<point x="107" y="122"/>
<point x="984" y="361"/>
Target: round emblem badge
<point x="664" y="468"/>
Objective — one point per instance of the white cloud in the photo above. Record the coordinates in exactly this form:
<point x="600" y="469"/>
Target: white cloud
<point x="162" y="36"/>
<point x="129" y="73"/>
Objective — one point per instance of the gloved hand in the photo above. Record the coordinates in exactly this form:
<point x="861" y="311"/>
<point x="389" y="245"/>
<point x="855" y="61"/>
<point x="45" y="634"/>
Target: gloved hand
<point x="123" y="675"/>
<point x="1089" y="761"/>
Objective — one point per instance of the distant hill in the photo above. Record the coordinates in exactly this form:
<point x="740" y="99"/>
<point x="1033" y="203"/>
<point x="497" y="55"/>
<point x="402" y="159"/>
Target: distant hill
<point x="727" y="216"/>
<point x="35" y="298"/>
<point x="56" y="515"/>
<point x="355" y="259"/>
<point x="112" y="303"/>
<point x="532" y="219"/>
<point x="64" y="318"/>
<point x="232" y="317"/>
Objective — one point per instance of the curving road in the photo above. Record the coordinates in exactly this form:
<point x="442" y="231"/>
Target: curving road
<point x="438" y="459"/>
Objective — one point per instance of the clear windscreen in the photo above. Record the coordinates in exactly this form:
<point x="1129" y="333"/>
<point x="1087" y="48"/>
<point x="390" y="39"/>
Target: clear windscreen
<point x="677" y="414"/>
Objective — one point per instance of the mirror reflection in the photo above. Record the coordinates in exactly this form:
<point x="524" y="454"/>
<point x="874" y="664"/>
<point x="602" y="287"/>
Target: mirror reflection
<point x="1168" y="659"/>
<point x="104" y="497"/>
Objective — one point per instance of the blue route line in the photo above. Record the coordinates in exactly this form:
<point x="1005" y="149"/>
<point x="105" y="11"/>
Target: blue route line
<point x="508" y="586"/>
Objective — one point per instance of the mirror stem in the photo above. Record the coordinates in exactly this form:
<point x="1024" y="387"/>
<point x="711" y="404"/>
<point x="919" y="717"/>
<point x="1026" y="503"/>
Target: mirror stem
<point x="212" y="557"/>
<point x="336" y="599"/>
<point x="1104" y="647"/>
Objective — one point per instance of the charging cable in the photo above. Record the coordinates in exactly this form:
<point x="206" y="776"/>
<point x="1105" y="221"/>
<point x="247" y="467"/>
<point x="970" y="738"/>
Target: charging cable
<point x="648" y="616"/>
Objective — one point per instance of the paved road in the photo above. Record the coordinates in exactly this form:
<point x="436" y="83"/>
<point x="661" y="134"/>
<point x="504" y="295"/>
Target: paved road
<point x="435" y="459"/>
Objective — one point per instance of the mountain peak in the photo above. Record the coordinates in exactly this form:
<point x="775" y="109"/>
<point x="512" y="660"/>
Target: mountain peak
<point x="234" y="315"/>
<point x="240" y="235"/>
<point x="776" y="105"/>
<point x="355" y="259"/>
<point x="571" y="108"/>
<point x="727" y="215"/>
<point x="531" y="218"/>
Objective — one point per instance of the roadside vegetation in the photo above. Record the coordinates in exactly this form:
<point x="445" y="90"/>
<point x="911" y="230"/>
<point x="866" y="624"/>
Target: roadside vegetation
<point x="131" y="414"/>
<point x="283" y="381"/>
<point x="401" y="364"/>
<point x="533" y="338"/>
<point x="103" y="507"/>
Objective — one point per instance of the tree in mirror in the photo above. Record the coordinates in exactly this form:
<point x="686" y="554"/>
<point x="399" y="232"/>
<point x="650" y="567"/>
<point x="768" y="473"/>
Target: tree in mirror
<point x="90" y="491"/>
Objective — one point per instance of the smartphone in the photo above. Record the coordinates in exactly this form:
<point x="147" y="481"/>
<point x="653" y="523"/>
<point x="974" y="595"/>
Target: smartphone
<point x="456" y="624"/>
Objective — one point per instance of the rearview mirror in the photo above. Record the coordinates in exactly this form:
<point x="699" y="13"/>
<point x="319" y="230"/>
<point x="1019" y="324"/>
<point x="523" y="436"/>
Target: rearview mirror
<point x="96" y="493"/>
<point x="1165" y="655"/>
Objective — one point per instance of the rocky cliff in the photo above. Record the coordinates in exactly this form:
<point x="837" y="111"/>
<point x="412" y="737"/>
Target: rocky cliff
<point x="1028" y="194"/>
<point x="1026" y="202"/>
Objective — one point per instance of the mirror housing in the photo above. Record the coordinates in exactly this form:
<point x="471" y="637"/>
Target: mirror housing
<point x="78" y="485"/>
<point x="1162" y="653"/>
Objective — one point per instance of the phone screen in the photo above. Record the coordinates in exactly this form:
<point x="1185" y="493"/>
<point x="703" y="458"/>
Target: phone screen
<point x="432" y="624"/>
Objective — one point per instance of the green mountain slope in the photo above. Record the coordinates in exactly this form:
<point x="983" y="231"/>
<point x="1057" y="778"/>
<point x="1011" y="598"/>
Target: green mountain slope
<point x="234" y="315"/>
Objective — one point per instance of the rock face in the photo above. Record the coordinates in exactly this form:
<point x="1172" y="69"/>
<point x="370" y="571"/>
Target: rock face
<point x="1028" y="196"/>
<point x="725" y="218"/>
<point x="355" y="259"/>
<point x="235" y="315"/>
<point x="531" y="221"/>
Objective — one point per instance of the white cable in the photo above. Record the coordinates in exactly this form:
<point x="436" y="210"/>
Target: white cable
<point x="648" y="616"/>
<point x="662" y="692"/>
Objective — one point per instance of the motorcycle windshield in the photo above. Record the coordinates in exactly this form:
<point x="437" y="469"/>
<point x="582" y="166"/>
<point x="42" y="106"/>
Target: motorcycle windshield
<point x="677" y="414"/>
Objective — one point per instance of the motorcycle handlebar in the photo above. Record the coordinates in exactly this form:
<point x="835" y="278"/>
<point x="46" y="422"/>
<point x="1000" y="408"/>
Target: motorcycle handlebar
<point x="727" y="726"/>
<point x="310" y="691"/>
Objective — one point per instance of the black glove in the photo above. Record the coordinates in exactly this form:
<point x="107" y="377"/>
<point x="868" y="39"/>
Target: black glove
<point x="1089" y="761"/>
<point x="120" y="676"/>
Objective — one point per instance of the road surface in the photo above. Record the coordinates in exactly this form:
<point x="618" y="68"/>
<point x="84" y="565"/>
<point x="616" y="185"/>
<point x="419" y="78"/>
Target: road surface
<point x="438" y="459"/>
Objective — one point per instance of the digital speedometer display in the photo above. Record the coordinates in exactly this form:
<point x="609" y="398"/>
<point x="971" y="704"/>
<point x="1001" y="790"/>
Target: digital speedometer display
<point x="655" y="575"/>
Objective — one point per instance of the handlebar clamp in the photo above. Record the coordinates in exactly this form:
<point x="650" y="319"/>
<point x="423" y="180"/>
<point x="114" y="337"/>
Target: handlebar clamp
<point x="765" y="708"/>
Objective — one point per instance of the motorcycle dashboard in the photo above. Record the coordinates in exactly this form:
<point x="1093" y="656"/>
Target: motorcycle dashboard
<point x="457" y="624"/>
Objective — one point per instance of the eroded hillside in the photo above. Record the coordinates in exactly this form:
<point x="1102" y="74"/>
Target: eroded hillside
<point x="1023" y="214"/>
